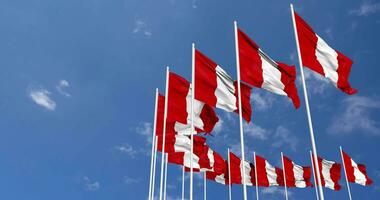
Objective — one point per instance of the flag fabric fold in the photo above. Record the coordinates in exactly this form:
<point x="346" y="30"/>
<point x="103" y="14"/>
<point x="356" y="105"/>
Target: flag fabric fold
<point x="296" y="175"/>
<point x="330" y="172"/>
<point x="356" y="173"/>
<point x="259" y="70"/>
<point x="318" y="56"/>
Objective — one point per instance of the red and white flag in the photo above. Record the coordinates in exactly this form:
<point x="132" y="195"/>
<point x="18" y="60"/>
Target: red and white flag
<point x="318" y="56"/>
<point x="296" y="175"/>
<point x="267" y="175"/>
<point x="259" y="70"/>
<point x="330" y="172"/>
<point x="356" y="173"/>
<point x="219" y="172"/>
<point x="216" y="88"/>
<point x="179" y="143"/>
<point x="236" y="167"/>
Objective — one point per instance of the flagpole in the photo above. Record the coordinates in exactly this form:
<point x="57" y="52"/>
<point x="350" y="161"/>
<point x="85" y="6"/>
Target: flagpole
<point x="240" y="107"/>
<point x="164" y="131"/>
<point x="314" y="148"/>
<point x="153" y="146"/>
<point x="192" y="117"/>
<point x="314" y="177"/>
<point x="345" y="173"/>
<point x="204" y="186"/>
<point x="183" y="182"/>
<point x="283" y="170"/>
<point x="256" y="178"/>
<point x="154" y="166"/>
<point x="229" y="175"/>
<point x="166" y="175"/>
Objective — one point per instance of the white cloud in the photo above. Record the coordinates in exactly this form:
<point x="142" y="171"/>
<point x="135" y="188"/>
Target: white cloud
<point x="127" y="149"/>
<point x="41" y="97"/>
<point x="62" y="84"/>
<point x="256" y="131"/>
<point x="366" y="8"/>
<point x="218" y="127"/>
<point x="356" y="116"/>
<point x="142" y="28"/>
<point x="316" y="83"/>
<point x="129" y="180"/>
<point x="262" y="100"/>
<point x="91" y="185"/>
<point x="283" y="137"/>
<point x="146" y="130"/>
<point x="275" y="191"/>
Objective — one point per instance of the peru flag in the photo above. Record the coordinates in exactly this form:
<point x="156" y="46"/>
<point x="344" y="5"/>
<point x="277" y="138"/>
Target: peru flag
<point x="179" y="108"/>
<point x="356" y="173"/>
<point x="267" y="175"/>
<point x="259" y="70"/>
<point x="317" y="55"/>
<point x="179" y="143"/>
<point x="330" y="173"/>
<point x="296" y="176"/>
<point x="216" y="88"/>
<point x="236" y="167"/>
<point x="219" y="173"/>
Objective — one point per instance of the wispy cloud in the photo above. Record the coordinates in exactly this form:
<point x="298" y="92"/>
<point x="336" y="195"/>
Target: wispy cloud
<point x="145" y="129"/>
<point x="62" y="85"/>
<point x="256" y="131"/>
<point x="194" y="4"/>
<point x="127" y="149"/>
<point x="283" y="137"/>
<point x="275" y="191"/>
<point x="366" y="8"/>
<point x="316" y="83"/>
<point x="91" y="185"/>
<point x="42" y="98"/>
<point x="130" y="180"/>
<point x="355" y="115"/>
<point x="219" y="126"/>
<point x="262" y="100"/>
<point x="141" y="27"/>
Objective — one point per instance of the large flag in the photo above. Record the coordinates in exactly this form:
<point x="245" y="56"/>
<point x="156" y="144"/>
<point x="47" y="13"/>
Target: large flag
<point x="267" y="175"/>
<point x="259" y="70"/>
<point x="296" y="175"/>
<point x="330" y="173"/>
<point x="216" y="88"/>
<point x="356" y="173"/>
<point x="179" y="110"/>
<point x="317" y="55"/>
<point x="236" y="167"/>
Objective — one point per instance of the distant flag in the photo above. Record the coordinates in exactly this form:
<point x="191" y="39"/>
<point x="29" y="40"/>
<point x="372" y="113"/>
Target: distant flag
<point x="179" y="143"/>
<point x="216" y="88"/>
<point x="330" y="173"/>
<point x="236" y="165"/>
<point x="296" y="175"/>
<point x="259" y="70"/>
<point x="356" y="173"/>
<point x="268" y="175"/>
<point x="317" y="55"/>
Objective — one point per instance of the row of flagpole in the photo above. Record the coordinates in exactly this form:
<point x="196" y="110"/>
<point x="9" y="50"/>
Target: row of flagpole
<point x="163" y="175"/>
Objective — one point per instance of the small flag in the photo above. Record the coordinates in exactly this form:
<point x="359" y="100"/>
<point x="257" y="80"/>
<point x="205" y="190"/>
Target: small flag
<point x="267" y="175"/>
<point x="356" y="173"/>
<point x="236" y="166"/>
<point x="296" y="176"/>
<point x="330" y="173"/>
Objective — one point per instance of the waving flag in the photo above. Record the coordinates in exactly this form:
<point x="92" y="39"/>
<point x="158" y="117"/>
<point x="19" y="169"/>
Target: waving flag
<point x="356" y="173"/>
<point x="179" y="143"/>
<point x="259" y="70"/>
<point x="330" y="173"/>
<point x="216" y="88"/>
<point x="236" y="166"/>
<point x="296" y="176"/>
<point x="267" y="175"/>
<point x="317" y="55"/>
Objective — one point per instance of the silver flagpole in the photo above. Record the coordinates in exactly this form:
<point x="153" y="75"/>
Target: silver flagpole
<point x="314" y="177"/>
<point x="154" y="166"/>
<point x="164" y="132"/>
<point x="256" y="178"/>
<point x="229" y="175"/>
<point x="192" y="117"/>
<point x="313" y="145"/>
<point x="345" y="173"/>
<point x="240" y="107"/>
<point x="153" y="146"/>
<point x="204" y="186"/>
<point x="283" y="171"/>
<point x="183" y="182"/>
<point x="166" y="175"/>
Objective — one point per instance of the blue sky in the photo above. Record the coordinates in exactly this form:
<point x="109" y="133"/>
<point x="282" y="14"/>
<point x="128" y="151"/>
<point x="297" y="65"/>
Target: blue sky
<point x="77" y="88"/>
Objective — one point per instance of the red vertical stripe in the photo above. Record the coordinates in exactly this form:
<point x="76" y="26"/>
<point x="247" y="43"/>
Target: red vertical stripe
<point x="262" y="177"/>
<point x="245" y="100"/>
<point x="290" y="178"/>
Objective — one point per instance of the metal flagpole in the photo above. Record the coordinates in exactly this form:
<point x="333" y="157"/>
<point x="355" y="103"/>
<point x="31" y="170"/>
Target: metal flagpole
<point x="345" y="173"/>
<point x="229" y="175"/>
<point x="183" y="182"/>
<point x="204" y="186"/>
<point x="256" y="178"/>
<point x="314" y="148"/>
<point x="153" y="145"/>
<point x="166" y="175"/>
<point x="283" y="171"/>
<point x="154" y="166"/>
<point x="240" y="107"/>
<point x="192" y="117"/>
<point x="164" y="131"/>
<point x="314" y="177"/>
